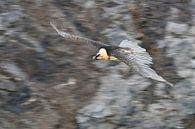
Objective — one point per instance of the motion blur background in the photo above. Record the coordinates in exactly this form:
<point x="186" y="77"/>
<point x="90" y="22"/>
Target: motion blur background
<point x="49" y="83"/>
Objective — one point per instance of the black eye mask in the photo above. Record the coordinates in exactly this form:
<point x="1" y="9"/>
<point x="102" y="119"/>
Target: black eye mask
<point x="97" y="56"/>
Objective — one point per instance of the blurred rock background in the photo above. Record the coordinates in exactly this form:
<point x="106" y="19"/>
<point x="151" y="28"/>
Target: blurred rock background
<point x="48" y="83"/>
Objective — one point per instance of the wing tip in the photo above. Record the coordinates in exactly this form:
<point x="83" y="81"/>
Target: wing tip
<point x="170" y="84"/>
<point x="55" y="28"/>
<point x="63" y="34"/>
<point x="164" y="81"/>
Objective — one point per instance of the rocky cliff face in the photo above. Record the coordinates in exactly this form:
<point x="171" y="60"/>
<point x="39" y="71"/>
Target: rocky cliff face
<point x="48" y="83"/>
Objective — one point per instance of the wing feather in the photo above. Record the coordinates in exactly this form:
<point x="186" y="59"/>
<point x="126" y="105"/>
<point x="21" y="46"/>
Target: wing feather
<point x="139" y="59"/>
<point x="76" y="38"/>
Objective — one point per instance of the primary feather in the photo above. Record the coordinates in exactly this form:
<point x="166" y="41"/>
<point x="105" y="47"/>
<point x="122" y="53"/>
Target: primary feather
<point x="76" y="38"/>
<point x="137" y="57"/>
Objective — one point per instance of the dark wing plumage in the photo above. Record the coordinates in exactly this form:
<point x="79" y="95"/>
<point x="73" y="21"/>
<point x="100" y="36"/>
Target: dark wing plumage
<point x="76" y="38"/>
<point x="139" y="59"/>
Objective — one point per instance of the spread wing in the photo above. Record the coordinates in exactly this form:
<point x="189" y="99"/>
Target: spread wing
<point x="76" y="38"/>
<point x="137" y="57"/>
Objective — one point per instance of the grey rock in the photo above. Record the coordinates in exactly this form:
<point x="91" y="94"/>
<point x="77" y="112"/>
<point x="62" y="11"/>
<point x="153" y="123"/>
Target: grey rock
<point x="106" y="126"/>
<point x="14" y="70"/>
<point x="192" y="30"/>
<point x="9" y="18"/>
<point x="176" y="28"/>
<point x="89" y="4"/>
<point x="192" y="65"/>
<point x="181" y="49"/>
<point x="1" y="24"/>
<point x="8" y="86"/>
<point x="116" y="35"/>
<point x="82" y="119"/>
